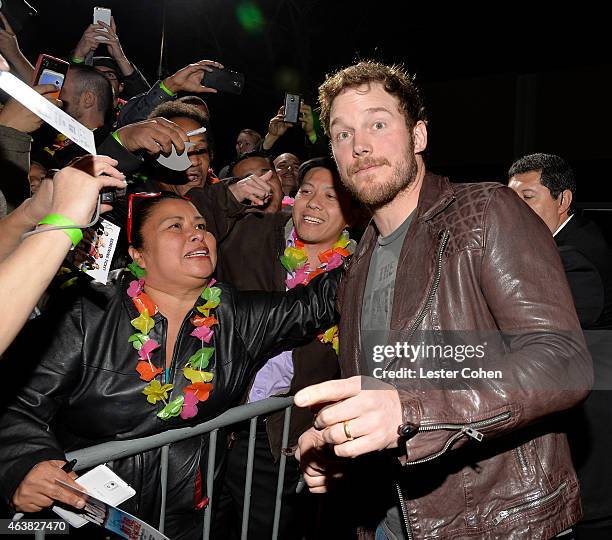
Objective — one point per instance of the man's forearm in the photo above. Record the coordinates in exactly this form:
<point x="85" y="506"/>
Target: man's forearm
<point x="22" y="66"/>
<point x="25" y="275"/>
<point x="12" y="227"/>
<point x="125" y="66"/>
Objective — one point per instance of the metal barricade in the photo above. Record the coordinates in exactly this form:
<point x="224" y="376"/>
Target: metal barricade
<point x="109" y="451"/>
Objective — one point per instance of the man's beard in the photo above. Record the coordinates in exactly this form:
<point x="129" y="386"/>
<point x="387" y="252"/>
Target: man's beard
<point x="376" y="194"/>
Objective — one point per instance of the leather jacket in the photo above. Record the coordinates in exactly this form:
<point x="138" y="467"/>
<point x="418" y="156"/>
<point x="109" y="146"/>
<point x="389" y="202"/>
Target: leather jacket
<point x="81" y="387"/>
<point x="483" y="459"/>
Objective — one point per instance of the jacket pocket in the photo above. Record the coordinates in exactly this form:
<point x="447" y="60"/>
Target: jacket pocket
<point x="528" y="505"/>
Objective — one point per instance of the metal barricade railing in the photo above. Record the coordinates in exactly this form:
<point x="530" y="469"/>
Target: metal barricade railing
<point x="110" y="451"/>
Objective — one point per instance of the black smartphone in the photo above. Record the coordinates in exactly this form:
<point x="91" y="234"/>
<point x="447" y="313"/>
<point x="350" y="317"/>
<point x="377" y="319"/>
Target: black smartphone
<point x="224" y="80"/>
<point x="292" y="108"/>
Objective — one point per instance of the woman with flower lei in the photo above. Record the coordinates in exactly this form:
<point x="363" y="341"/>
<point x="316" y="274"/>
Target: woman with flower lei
<point x="165" y="348"/>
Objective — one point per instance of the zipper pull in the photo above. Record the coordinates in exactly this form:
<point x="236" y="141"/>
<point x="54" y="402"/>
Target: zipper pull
<point x="503" y="514"/>
<point x="473" y="433"/>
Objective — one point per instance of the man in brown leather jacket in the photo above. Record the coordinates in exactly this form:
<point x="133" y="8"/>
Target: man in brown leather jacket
<point x="471" y="445"/>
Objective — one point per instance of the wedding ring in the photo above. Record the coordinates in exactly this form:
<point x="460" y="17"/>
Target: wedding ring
<point x="347" y="431"/>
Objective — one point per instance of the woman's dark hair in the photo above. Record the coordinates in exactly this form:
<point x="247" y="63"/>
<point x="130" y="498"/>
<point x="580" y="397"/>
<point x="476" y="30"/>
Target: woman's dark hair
<point x="141" y="211"/>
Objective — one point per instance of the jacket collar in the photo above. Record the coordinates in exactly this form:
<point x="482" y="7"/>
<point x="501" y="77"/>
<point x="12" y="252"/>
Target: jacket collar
<point x="436" y="194"/>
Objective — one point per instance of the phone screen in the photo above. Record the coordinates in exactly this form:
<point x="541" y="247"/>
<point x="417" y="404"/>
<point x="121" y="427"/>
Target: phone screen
<point x="48" y="76"/>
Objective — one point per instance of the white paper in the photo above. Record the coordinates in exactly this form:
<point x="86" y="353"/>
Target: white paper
<point x="51" y="114"/>
<point x="95" y="257"/>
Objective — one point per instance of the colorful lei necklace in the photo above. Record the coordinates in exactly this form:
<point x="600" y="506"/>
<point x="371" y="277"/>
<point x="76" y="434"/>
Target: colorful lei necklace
<point x="295" y="261"/>
<point x="184" y="405"/>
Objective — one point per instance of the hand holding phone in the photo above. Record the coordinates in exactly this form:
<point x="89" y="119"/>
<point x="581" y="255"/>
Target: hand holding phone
<point x="101" y="14"/>
<point x="224" y="80"/>
<point x="50" y="70"/>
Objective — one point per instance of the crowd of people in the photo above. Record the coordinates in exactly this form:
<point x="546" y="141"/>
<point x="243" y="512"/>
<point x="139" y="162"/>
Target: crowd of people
<point x="309" y="266"/>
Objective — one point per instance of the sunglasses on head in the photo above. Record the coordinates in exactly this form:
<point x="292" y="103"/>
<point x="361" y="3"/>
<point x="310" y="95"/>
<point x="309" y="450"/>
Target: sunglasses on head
<point x="131" y="198"/>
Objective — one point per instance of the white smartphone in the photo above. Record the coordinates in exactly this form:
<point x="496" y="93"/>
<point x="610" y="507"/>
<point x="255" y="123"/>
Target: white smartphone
<point x="102" y="483"/>
<point x="104" y="15"/>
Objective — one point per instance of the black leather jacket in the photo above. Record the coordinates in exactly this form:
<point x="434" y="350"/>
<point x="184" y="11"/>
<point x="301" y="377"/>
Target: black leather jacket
<point x="83" y="389"/>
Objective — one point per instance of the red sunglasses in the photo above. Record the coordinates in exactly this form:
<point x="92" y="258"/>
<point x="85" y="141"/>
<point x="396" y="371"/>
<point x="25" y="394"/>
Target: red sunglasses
<point x="131" y="198"/>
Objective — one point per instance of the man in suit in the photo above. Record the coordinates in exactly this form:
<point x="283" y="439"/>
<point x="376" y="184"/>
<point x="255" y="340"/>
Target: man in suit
<point x="547" y="184"/>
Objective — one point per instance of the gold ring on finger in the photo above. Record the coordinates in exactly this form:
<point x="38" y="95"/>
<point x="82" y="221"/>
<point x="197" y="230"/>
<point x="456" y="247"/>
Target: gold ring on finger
<point x="347" y="431"/>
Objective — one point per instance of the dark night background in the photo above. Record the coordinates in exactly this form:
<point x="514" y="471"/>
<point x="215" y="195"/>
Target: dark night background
<point x="498" y="82"/>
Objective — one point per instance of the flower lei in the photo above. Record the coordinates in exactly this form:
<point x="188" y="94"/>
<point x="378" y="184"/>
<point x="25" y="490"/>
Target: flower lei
<point x="295" y="261"/>
<point x="184" y="405"/>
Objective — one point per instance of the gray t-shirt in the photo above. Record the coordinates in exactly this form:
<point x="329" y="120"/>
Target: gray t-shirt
<point x="375" y="323"/>
<point x="378" y="295"/>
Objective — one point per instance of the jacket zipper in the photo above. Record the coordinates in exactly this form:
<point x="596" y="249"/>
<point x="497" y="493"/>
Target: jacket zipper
<point x="404" y="511"/>
<point x="503" y="514"/>
<point x="430" y="295"/>
<point x="471" y="430"/>
<point x="522" y="460"/>
<point x="413" y="328"/>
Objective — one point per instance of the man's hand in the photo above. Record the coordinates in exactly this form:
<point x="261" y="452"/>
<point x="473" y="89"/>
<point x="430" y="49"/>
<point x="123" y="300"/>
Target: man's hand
<point x="39" y="488"/>
<point x="253" y="188"/>
<point x="317" y="461"/>
<point x="3" y="64"/>
<point x="9" y="46"/>
<point x="307" y="120"/>
<point x="115" y="49"/>
<point x="76" y="188"/>
<point x="39" y="205"/>
<point x="156" y="135"/>
<point x="89" y="41"/>
<point x="277" y="126"/>
<point x="16" y="116"/>
<point x="370" y="416"/>
<point x="189" y="78"/>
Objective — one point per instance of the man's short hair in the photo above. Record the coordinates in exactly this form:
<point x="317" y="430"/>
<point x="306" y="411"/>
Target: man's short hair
<point x="87" y="78"/>
<point x="555" y="174"/>
<point x="249" y="155"/>
<point x="324" y="162"/>
<point x="194" y="100"/>
<point x="177" y="109"/>
<point x="251" y="132"/>
<point x="395" y="80"/>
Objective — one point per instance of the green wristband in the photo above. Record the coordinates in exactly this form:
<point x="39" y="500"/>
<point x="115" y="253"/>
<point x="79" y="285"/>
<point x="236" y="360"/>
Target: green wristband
<point x="312" y="138"/>
<point x="116" y="137"/>
<point x="74" y="232"/>
<point x="165" y="89"/>
<point x="76" y="60"/>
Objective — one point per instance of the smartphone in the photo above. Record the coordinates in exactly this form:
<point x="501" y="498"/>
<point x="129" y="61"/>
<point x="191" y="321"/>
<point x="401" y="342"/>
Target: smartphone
<point x="104" y="15"/>
<point x="50" y="70"/>
<point x="102" y="483"/>
<point x="292" y="108"/>
<point x="224" y="80"/>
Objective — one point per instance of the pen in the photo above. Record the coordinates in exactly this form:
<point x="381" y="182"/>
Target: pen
<point x="196" y="131"/>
